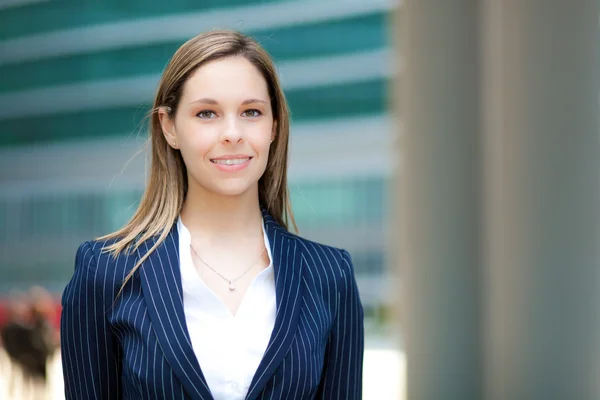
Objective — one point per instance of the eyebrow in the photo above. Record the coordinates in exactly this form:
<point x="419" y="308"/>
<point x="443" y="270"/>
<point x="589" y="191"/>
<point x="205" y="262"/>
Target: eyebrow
<point x="212" y="101"/>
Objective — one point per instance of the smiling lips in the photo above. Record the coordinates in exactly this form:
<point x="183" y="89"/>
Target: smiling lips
<point x="231" y="163"/>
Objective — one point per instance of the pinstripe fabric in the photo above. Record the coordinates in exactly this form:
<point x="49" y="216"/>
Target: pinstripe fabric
<point x="139" y="347"/>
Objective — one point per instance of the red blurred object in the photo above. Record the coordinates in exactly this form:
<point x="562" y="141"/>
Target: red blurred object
<point x="50" y="307"/>
<point x="4" y="315"/>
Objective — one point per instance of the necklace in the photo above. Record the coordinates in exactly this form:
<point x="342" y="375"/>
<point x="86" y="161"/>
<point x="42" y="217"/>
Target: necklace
<point x="231" y="281"/>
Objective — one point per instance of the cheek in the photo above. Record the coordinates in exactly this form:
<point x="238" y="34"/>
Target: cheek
<point x="261" y="135"/>
<point x="194" y="150"/>
<point x="198" y="139"/>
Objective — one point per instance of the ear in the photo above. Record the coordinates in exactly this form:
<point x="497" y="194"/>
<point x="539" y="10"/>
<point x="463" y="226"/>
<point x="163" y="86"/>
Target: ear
<point x="168" y="126"/>
<point x="274" y="131"/>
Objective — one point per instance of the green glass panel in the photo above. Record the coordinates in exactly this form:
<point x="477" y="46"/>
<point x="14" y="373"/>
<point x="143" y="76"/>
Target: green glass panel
<point x="62" y="14"/>
<point x="330" y="102"/>
<point x="337" y="203"/>
<point x="332" y="203"/>
<point x="34" y="274"/>
<point x="329" y="203"/>
<point x="348" y="100"/>
<point x="371" y="263"/>
<point x="311" y="40"/>
<point x="119" y="208"/>
<point x="3" y="220"/>
<point x="86" y="124"/>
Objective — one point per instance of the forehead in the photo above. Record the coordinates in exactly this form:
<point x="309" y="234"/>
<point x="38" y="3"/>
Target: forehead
<point x="232" y="78"/>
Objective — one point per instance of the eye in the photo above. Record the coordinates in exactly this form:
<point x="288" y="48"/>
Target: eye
<point x="206" y="114"/>
<point x="252" y="113"/>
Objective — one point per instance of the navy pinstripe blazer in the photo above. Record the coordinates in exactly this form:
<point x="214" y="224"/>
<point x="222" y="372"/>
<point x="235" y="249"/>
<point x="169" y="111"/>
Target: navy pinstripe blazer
<point x="140" y="348"/>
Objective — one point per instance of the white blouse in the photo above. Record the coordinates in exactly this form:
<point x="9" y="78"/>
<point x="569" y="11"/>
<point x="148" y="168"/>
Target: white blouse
<point x="229" y="348"/>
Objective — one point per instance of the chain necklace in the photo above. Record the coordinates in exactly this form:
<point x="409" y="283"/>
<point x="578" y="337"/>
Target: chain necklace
<point x="231" y="281"/>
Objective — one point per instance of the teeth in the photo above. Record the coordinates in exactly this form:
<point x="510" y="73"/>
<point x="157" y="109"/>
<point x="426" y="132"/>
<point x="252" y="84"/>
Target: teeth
<point x="235" y="161"/>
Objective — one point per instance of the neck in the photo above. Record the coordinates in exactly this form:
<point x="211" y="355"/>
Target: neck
<point x="224" y="218"/>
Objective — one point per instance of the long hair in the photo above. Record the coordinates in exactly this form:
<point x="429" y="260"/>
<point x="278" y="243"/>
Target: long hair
<point x="167" y="186"/>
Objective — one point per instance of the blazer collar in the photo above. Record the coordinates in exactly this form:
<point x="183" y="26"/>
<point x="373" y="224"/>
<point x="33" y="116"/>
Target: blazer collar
<point x="162" y="290"/>
<point x="287" y="264"/>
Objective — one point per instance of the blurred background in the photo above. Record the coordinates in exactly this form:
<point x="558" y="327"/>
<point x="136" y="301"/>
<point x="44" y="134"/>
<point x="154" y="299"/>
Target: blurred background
<point x="451" y="146"/>
<point x="77" y="78"/>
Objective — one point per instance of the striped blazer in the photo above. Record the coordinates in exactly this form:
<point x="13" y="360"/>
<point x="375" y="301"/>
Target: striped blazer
<point x="138" y="347"/>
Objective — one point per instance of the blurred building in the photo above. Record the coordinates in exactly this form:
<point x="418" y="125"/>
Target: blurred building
<point x="77" y="78"/>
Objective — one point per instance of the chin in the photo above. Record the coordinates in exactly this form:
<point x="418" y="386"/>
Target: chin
<point x="232" y="189"/>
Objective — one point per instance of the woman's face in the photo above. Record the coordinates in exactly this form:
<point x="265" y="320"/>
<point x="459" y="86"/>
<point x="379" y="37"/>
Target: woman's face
<point x="223" y="127"/>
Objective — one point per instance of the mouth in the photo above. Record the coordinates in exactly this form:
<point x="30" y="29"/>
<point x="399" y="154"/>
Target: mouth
<point x="230" y="161"/>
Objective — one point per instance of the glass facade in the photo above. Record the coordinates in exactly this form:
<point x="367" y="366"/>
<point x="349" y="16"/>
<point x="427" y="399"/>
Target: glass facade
<point x="337" y="206"/>
<point x="95" y="81"/>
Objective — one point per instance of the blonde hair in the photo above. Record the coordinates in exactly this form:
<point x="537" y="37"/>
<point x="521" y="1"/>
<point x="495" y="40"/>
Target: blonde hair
<point x="165" y="192"/>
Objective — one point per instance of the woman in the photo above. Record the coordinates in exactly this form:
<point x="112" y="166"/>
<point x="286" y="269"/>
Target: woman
<point x="205" y="294"/>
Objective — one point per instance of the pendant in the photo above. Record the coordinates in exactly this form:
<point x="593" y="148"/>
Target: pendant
<point x="231" y="286"/>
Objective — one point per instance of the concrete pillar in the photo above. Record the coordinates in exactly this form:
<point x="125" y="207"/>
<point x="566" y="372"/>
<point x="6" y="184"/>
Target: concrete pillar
<point x="542" y="162"/>
<point x="439" y="191"/>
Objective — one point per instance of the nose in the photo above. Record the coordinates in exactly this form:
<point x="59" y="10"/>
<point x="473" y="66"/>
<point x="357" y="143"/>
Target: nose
<point x="232" y="131"/>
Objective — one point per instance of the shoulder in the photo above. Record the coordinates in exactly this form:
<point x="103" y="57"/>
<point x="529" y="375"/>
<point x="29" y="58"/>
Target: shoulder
<point x="98" y="267"/>
<point x="332" y="262"/>
<point x="100" y="252"/>
<point x="328" y="270"/>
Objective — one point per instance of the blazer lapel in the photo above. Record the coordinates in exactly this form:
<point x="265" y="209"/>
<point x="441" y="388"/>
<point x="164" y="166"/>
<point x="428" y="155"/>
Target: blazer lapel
<point x="287" y="263"/>
<point x="161" y="286"/>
